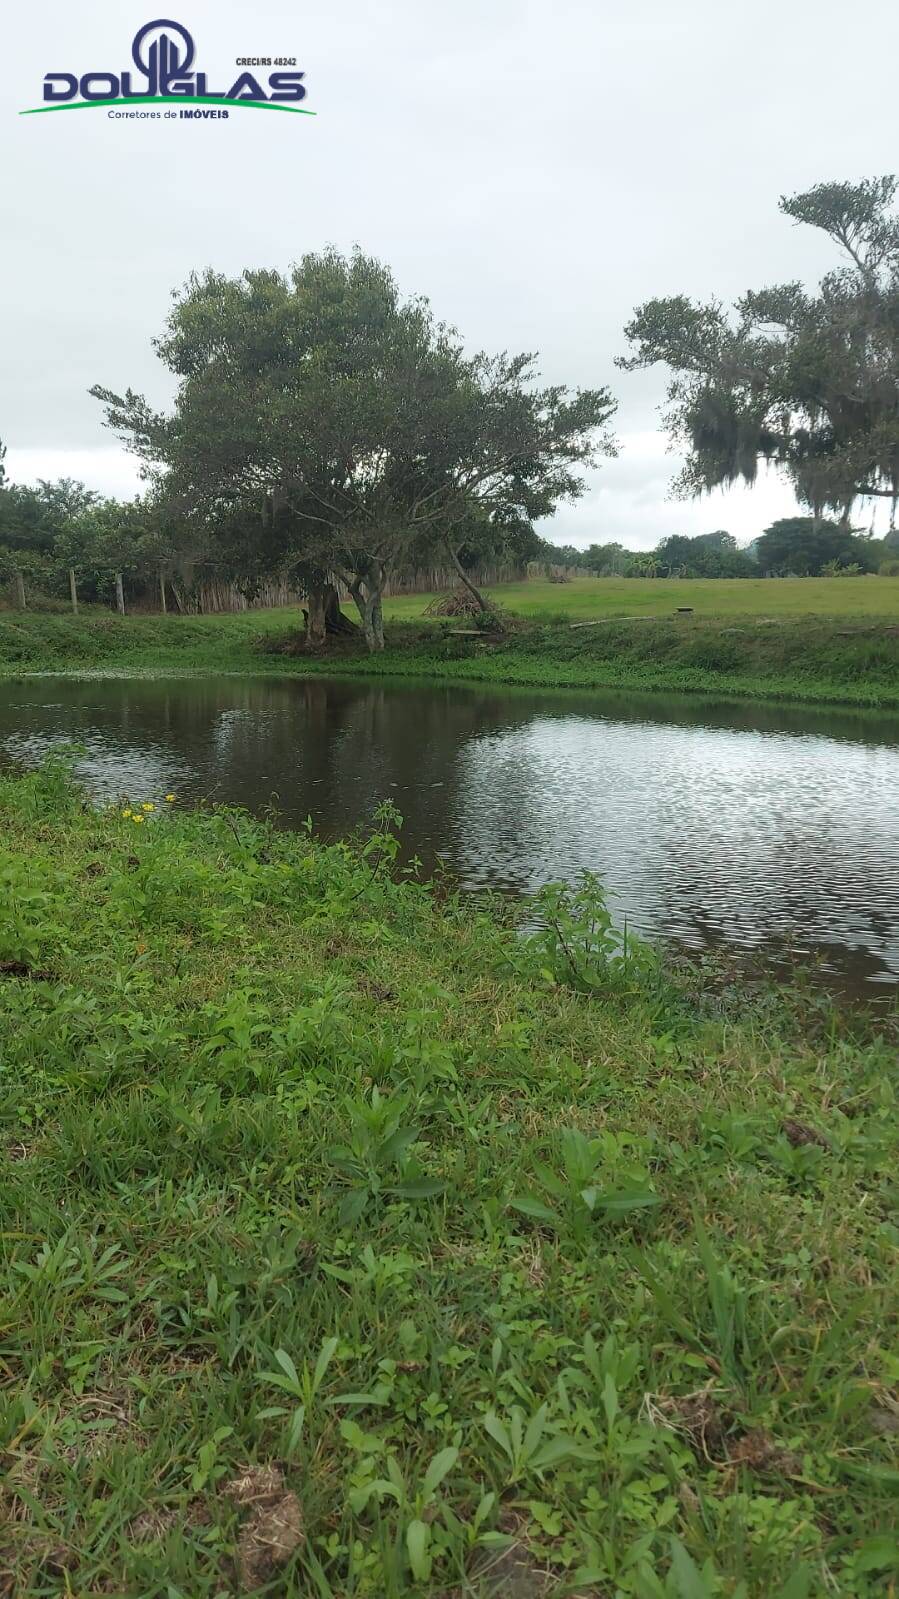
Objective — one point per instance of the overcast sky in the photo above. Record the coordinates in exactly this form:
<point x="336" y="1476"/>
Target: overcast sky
<point x="536" y="170"/>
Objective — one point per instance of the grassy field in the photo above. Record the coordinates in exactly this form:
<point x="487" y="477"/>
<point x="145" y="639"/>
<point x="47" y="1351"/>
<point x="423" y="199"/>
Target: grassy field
<point x="819" y="658"/>
<point x="585" y="599"/>
<point x="355" y="1245"/>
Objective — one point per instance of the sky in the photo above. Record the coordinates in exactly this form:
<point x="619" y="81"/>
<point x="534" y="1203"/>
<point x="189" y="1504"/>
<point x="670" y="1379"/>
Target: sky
<point x="537" y="171"/>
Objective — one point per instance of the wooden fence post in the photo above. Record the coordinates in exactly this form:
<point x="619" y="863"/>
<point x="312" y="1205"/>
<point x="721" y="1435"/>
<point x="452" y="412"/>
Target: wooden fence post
<point x="73" y="590"/>
<point x="20" y="591"/>
<point x="162" y="592"/>
<point x="119" y="594"/>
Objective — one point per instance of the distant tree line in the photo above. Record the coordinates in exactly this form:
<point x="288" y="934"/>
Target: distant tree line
<point x="800" y="546"/>
<point x="61" y="541"/>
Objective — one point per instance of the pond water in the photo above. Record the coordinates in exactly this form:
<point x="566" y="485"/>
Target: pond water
<point x="758" y="828"/>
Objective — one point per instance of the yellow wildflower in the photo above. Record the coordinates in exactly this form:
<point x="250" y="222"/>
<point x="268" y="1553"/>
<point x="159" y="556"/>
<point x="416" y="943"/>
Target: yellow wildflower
<point x="137" y="819"/>
<point x="170" y="799"/>
<point x="126" y="812"/>
<point x="147" y="806"/>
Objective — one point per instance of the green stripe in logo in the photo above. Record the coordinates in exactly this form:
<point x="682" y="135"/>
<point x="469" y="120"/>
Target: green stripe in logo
<point x="169" y="99"/>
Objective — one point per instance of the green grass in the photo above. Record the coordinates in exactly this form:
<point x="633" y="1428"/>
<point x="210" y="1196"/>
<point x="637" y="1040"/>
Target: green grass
<point x="819" y="640"/>
<point x="585" y="599"/>
<point x="507" y="1260"/>
<point x="818" y="658"/>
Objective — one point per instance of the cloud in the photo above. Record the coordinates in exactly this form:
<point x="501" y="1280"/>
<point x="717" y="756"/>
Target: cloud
<point x="108" y="470"/>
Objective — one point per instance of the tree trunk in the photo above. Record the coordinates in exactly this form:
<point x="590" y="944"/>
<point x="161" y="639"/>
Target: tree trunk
<point x="372" y="620"/>
<point x="377" y="618"/>
<point x="119" y="594"/>
<point x="20" y="591"/>
<point x="367" y="593"/>
<point x="315" y="619"/>
<point x="73" y="590"/>
<point x="475" y="593"/>
<point x="335" y="621"/>
<point x="162" y="594"/>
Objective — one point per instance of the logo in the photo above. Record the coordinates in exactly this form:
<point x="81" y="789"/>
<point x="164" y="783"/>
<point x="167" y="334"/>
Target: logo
<point x="163" y="53"/>
<point x="158" y="59"/>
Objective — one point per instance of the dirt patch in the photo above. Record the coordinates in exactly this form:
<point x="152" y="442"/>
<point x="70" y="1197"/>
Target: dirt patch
<point x="376" y="991"/>
<point x="186" y="1362"/>
<point x="698" y="1416"/>
<point x="758" y="1451"/>
<point x="34" y="974"/>
<point x="273" y="1528"/>
<point x="151" y="1526"/>
<point x="714" y="1435"/>
<point x="104" y="1421"/>
<point x="254" y="1486"/>
<point x="512" y="1574"/>
<point x="799" y="1134"/>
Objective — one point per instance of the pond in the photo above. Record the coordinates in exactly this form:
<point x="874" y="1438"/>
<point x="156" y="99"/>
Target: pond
<point x="758" y="828"/>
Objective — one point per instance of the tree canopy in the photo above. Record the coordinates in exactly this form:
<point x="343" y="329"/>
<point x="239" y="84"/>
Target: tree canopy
<point x="809" y="381"/>
<point x="801" y="546"/>
<point x="705" y="555"/>
<point x="345" y="427"/>
<point x="35" y="522"/>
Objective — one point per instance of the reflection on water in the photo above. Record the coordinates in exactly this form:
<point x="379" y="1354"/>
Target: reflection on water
<point x="749" y="826"/>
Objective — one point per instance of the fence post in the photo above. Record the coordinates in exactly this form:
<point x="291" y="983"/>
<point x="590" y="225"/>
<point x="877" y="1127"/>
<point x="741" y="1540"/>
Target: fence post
<point x="20" y="591"/>
<point x="162" y="592"/>
<point x="73" y="590"/>
<point x="119" y="594"/>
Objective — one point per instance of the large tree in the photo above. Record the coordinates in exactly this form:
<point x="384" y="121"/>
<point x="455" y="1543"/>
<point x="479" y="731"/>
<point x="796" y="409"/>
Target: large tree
<point x="809" y="381"/>
<point x="350" y="424"/>
<point x="800" y="546"/>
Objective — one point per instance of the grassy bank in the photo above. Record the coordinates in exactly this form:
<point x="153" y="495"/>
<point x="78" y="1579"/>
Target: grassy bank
<point x="353" y="1245"/>
<point x="828" y="660"/>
